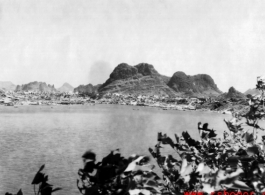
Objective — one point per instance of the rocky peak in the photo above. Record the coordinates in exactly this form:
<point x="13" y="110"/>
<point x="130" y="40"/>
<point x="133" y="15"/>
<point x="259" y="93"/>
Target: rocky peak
<point x="232" y="90"/>
<point x="179" y="74"/>
<point x="233" y="93"/>
<point x="146" y="69"/>
<point x="193" y="85"/>
<point x="123" y="71"/>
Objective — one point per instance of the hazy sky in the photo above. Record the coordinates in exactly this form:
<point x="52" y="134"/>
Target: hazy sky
<point x="82" y="41"/>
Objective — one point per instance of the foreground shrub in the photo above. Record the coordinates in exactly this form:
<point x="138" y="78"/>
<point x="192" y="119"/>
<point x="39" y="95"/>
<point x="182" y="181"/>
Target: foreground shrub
<point x="117" y="175"/>
<point x="211" y="165"/>
<point x="40" y="179"/>
<point x="234" y="163"/>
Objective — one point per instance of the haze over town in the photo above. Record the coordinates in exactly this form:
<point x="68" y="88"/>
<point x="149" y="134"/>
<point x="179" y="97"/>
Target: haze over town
<point x="81" y="42"/>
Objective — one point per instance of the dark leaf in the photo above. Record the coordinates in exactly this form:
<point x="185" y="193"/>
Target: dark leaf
<point x="20" y="192"/>
<point x="45" y="178"/>
<point x="190" y="141"/>
<point x="41" y="168"/>
<point x="152" y="152"/>
<point x="46" y="191"/>
<point x="88" y="155"/>
<point x="168" y="140"/>
<point x="212" y="134"/>
<point x="205" y="126"/>
<point x="159" y="137"/>
<point x="89" y="166"/>
<point x="39" y="177"/>
<point x="44" y="185"/>
<point x="112" y="159"/>
<point x="253" y="150"/>
<point x="204" y="135"/>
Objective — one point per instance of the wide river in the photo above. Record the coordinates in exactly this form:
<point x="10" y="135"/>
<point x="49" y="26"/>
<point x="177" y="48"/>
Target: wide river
<point x="57" y="136"/>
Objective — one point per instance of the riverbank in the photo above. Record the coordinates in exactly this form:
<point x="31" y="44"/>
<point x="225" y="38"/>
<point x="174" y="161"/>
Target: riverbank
<point x="16" y="99"/>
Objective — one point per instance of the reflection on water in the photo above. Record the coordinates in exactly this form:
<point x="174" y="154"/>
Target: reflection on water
<point x="58" y="136"/>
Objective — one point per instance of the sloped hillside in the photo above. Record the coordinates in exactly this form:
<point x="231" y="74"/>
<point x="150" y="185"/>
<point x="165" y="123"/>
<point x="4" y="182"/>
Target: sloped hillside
<point x="197" y="85"/>
<point x="139" y="79"/>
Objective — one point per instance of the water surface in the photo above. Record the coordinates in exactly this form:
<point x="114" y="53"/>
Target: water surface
<point x="57" y="136"/>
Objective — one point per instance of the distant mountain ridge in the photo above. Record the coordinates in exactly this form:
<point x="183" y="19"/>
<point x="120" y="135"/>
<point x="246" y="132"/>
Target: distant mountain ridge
<point x="139" y="79"/>
<point x="7" y="86"/>
<point x="36" y="86"/>
<point x="144" y="79"/>
<point x="66" y="87"/>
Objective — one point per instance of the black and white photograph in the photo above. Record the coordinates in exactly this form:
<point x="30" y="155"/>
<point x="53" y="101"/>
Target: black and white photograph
<point x="132" y="97"/>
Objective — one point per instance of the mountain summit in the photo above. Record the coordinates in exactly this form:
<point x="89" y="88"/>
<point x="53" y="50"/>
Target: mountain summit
<point x="197" y="85"/>
<point x="232" y="93"/>
<point x="66" y="87"/>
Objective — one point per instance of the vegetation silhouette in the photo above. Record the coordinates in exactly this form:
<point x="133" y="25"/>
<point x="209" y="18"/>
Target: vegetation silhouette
<point x="41" y="180"/>
<point x="117" y="175"/>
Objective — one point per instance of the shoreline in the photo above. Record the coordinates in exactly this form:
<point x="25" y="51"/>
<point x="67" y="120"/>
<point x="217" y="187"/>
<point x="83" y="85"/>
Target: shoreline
<point x="164" y="107"/>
